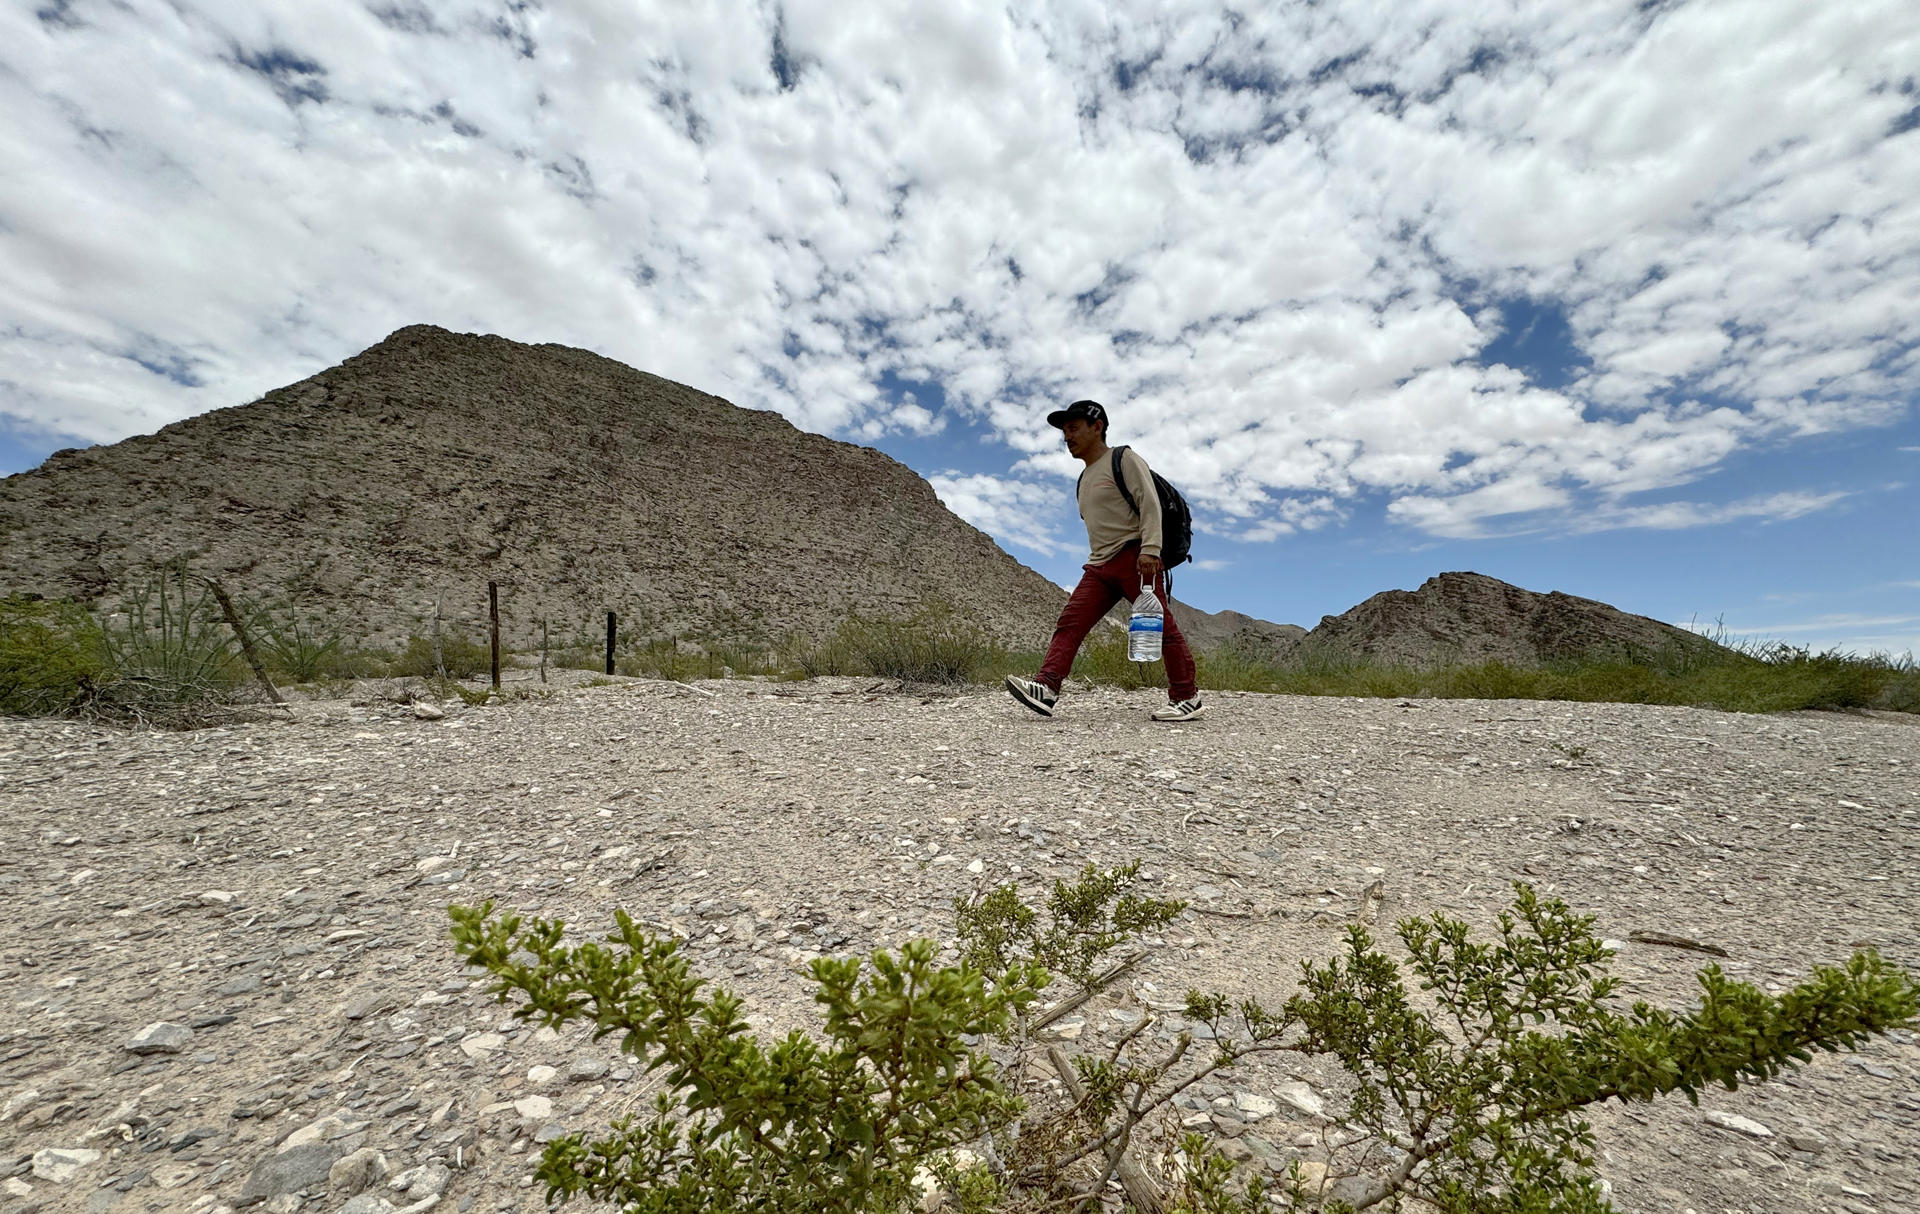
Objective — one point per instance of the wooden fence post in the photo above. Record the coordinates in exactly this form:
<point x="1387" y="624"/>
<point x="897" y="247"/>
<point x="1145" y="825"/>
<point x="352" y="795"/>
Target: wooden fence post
<point x="439" y="663"/>
<point x="543" y="649"/>
<point x="611" y="625"/>
<point x="493" y="620"/>
<point x="240" y="632"/>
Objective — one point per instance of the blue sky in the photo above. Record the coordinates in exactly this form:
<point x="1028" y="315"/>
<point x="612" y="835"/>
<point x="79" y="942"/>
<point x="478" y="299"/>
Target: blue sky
<point x="1613" y="298"/>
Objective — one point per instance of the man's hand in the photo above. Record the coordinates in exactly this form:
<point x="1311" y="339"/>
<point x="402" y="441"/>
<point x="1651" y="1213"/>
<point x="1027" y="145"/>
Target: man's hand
<point x="1150" y="568"/>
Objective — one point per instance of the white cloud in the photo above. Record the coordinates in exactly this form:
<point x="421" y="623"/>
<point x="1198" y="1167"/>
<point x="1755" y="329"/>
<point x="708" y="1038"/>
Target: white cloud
<point x="1212" y="566"/>
<point x="1272" y="242"/>
<point x="1013" y="510"/>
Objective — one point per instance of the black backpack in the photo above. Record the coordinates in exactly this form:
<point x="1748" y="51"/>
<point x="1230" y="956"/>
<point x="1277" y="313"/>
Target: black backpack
<point x="1176" y="520"/>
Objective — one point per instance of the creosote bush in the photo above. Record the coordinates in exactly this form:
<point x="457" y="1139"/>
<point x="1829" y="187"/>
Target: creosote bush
<point x="52" y="657"/>
<point x="1470" y="1095"/>
<point x="797" y="1125"/>
<point x="463" y="655"/>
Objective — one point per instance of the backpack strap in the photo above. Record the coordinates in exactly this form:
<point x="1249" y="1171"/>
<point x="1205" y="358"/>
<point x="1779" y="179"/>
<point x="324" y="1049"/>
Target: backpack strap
<point x="1120" y="480"/>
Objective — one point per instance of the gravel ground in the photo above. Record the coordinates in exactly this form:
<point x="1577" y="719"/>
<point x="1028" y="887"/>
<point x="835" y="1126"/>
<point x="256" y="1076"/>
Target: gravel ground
<point x="280" y="888"/>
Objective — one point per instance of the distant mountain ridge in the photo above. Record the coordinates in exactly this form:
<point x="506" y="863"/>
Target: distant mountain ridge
<point x="1470" y="617"/>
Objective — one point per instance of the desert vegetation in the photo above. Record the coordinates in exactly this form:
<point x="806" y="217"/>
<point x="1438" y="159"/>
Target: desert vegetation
<point x="1471" y="1064"/>
<point x="164" y="654"/>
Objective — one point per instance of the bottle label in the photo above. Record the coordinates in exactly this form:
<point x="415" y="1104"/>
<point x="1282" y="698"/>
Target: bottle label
<point x="1146" y="623"/>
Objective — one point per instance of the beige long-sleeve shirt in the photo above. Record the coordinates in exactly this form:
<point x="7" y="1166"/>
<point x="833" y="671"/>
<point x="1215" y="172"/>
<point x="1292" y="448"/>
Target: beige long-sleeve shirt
<point x="1111" y="526"/>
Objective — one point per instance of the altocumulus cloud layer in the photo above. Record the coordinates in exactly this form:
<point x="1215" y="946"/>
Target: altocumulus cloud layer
<point x="1288" y="243"/>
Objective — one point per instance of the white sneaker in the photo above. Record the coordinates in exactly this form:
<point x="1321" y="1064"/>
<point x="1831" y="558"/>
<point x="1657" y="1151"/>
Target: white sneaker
<point x="1037" y="696"/>
<point x="1180" y="710"/>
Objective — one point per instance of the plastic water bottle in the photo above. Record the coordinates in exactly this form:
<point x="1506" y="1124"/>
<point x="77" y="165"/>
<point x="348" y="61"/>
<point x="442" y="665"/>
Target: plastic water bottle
<point x="1144" y="626"/>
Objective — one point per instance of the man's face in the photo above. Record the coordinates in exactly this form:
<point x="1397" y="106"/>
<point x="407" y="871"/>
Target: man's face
<point x="1082" y="435"/>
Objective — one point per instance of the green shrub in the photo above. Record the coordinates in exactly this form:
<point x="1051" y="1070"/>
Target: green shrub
<point x="671" y="658"/>
<point x="52" y="657"/>
<point x="798" y="1126"/>
<point x="463" y="656"/>
<point x="1479" y="1085"/>
<point x="936" y="644"/>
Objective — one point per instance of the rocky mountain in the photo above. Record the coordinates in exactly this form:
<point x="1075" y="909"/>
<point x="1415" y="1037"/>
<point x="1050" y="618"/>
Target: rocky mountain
<point x="434" y="461"/>
<point x="1242" y="633"/>
<point x="1469" y="617"/>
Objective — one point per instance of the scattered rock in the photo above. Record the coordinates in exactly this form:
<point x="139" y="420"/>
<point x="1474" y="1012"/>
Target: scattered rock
<point x="542" y="1075"/>
<point x="586" y="1070"/>
<point x="351" y="1174"/>
<point x="62" y="1164"/>
<point x="366" y="1003"/>
<point x="481" y="1044"/>
<point x="1254" y="1106"/>
<point x="289" y="1171"/>
<point x="427" y="712"/>
<point x="368" y="1203"/>
<point x="16" y="1187"/>
<point x="533" y="1108"/>
<point x="1300" y="1094"/>
<point x="1805" y="1141"/>
<point x="1738" y="1124"/>
<point x="173" y="1175"/>
<point x="426" y="1180"/>
<point x="160" y="1038"/>
<point x="331" y="1128"/>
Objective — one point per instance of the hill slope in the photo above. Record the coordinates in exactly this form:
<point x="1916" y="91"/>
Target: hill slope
<point x="1469" y="617"/>
<point x="434" y="461"/>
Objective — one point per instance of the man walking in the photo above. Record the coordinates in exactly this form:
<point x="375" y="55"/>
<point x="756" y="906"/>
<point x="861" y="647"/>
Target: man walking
<point x="1124" y="551"/>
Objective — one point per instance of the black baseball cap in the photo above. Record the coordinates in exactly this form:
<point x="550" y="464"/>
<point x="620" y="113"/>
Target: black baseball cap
<point x="1086" y="410"/>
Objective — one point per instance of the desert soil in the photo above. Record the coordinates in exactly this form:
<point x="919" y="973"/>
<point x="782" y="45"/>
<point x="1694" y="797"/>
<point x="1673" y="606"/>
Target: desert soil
<point x="281" y="889"/>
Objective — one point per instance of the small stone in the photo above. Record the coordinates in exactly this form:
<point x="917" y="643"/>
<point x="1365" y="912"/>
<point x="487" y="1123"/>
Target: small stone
<point x="427" y="1180"/>
<point x="427" y="712"/>
<point x="303" y="1167"/>
<point x="1254" y="1106"/>
<point x="433" y="864"/>
<point x="367" y="1003"/>
<point x="368" y="1203"/>
<point x="448" y="877"/>
<point x="586" y="1070"/>
<point x="1068" y="1029"/>
<point x="1207" y="893"/>
<point x="61" y="1164"/>
<point x="977" y="867"/>
<point x="355" y="1173"/>
<point x="330" y="1128"/>
<point x="16" y="1187"/>
<point x="1313" y="1177"/>
<point x="173" y="1175"/>
<point x="246" y="984"/>
<point x="1270" y="1156"/>
<point x="1300" y="1094"/>
<point x="481" y="1044"/>
<point x="216" y="897"/>
<point x="283" y="1203"/>
<point x="1805" y="1141"/>
<point x="1738" y="1124"/>
<point x="549" y="1132"/>
<point x="534" y="1108"/>
<point x="160" y="1038"/>
<point x="541" y="1076"/>
<point x="19" y="1102"/>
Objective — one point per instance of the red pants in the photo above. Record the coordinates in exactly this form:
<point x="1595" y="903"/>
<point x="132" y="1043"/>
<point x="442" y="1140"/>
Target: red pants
<point x="1101" y="586"/>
